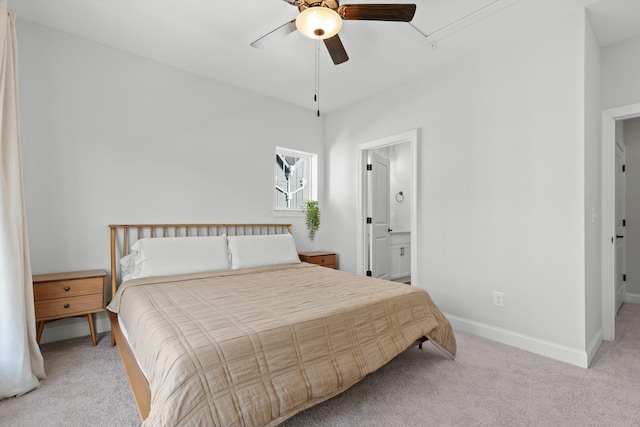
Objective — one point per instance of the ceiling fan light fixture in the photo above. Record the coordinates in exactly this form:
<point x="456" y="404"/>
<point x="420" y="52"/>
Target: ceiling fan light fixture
<point x="319" y="22"/>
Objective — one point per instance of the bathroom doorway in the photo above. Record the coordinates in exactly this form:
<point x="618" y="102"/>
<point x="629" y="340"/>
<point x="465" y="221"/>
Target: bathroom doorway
<point x="387" y="191"/>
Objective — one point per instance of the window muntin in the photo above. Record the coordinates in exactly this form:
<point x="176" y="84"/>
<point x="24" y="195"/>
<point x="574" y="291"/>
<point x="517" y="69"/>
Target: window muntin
<point x="294" y="178"/>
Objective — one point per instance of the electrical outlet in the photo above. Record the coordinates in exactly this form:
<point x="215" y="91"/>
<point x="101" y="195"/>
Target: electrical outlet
<point x="498" y="299"/>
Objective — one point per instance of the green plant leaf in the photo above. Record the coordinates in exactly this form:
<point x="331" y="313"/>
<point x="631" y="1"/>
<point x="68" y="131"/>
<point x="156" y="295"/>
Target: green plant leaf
<point x="313" y="217"/>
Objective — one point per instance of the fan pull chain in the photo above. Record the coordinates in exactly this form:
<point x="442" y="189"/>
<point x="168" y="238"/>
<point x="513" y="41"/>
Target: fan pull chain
<point x="316" y="97"/>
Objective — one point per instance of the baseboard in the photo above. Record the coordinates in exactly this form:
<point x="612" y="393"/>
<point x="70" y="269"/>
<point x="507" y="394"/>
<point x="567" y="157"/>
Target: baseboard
<point x="632" y="298"/>
<point x="556" y="351"/>
<point x="594" y="345"/>
<point x="79" y="327"/>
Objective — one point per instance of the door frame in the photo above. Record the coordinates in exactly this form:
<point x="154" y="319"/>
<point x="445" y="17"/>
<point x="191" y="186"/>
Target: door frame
<point x="411" y="137"/>
<point x="608" y="231"/>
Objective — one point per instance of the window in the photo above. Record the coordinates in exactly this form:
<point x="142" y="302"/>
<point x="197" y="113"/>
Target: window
<point x="295" y="179"/>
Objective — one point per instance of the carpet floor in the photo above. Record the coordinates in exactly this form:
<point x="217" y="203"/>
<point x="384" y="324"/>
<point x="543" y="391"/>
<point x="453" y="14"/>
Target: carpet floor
<point x="488" y="384"/>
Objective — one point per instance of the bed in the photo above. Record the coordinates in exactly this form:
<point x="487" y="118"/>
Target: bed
<point x="233" y="330"/>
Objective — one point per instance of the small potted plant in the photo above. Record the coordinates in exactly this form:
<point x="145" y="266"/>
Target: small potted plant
<point x="313" y="217"/>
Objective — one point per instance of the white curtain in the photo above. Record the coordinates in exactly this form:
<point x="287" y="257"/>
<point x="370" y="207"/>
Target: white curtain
<point x="21" y="364"/>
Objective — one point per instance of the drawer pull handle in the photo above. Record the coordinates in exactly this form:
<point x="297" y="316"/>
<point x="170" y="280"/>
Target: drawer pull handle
<point x="67" y="289"/>
<point x="66" y="306"/>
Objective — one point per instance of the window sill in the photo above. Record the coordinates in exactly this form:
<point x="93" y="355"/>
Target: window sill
<point x="288" y="213"/>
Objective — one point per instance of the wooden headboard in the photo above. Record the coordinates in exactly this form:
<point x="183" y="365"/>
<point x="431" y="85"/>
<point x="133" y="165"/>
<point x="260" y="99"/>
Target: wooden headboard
<point x="127" y="234"/>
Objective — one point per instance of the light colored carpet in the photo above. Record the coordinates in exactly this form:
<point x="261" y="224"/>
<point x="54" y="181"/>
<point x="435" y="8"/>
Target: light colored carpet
<point x="488" y="384"/>
<point x="85" y="386"/>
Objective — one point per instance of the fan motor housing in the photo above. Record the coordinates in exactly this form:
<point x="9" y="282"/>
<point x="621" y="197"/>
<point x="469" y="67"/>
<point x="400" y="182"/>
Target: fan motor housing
<point x="306" y="4"/>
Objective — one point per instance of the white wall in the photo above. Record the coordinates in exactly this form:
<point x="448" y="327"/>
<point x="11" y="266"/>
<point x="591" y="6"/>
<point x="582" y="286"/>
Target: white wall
<point x="400" y="180"/>
<point x="632" y="230"/>
<point x="620" y="70"/>
<point x="109" y="137"/>
<point x="501" y="194"/>
<point x="592" y="215"/>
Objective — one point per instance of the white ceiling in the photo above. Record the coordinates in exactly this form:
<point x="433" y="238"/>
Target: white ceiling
<point x="212" y="37"/>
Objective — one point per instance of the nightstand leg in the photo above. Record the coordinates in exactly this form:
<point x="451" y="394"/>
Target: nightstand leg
<point x="40" y="329"/>
<point x="92" y="329"/>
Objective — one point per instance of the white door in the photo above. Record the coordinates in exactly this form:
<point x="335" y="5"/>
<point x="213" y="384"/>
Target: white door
<point x="620" y="224"/>
<point x="380" y="215"/>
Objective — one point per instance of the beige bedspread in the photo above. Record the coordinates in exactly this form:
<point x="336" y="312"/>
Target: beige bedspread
<point x="253" y="347"/>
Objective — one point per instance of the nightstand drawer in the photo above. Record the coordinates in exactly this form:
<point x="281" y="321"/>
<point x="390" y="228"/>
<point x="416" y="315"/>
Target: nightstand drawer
<point x="63" y="307"/>
<point x="325" y="259"/>
<point x="67" y="288"/>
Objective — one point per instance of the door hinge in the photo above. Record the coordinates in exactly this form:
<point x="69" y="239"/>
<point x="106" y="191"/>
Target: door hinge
<point x="624" y="168"/>
<point x="624" y="277"/>
<point x="369" y="220"/>
<point x="369" y="167"/>
<point x="369" y="273"/>
<point x="624" y="222"/>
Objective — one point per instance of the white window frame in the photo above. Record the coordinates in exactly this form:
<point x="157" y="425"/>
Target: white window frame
<point x="312" y="160"/>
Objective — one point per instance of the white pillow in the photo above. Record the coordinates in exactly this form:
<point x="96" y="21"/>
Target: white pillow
<point x="179" y="255"/>
<point x="254" y="251"/>
<point x="128" y="267"/>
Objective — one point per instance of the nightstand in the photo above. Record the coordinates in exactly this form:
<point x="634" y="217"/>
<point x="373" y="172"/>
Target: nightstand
<point x="62" y="295"/>
<point x="325" y="259"/>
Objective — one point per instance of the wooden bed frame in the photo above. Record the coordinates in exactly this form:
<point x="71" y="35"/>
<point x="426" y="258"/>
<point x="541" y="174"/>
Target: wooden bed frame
<point x="129" y="233"/>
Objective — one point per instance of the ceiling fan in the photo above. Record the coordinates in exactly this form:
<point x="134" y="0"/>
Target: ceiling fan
<point x="323" y="20"/>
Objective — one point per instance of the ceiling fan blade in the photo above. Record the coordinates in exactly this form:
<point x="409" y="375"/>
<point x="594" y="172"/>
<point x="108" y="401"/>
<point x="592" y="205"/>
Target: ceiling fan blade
<point x="378" y="12"/>
<point x="336" y="49"/>
<point x="273" y="36"/>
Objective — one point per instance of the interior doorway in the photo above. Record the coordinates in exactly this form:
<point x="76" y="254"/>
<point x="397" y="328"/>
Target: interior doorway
<point x="628" y="225"/>
<point x="614" y="221"/>
<point x="388" y="209"/>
